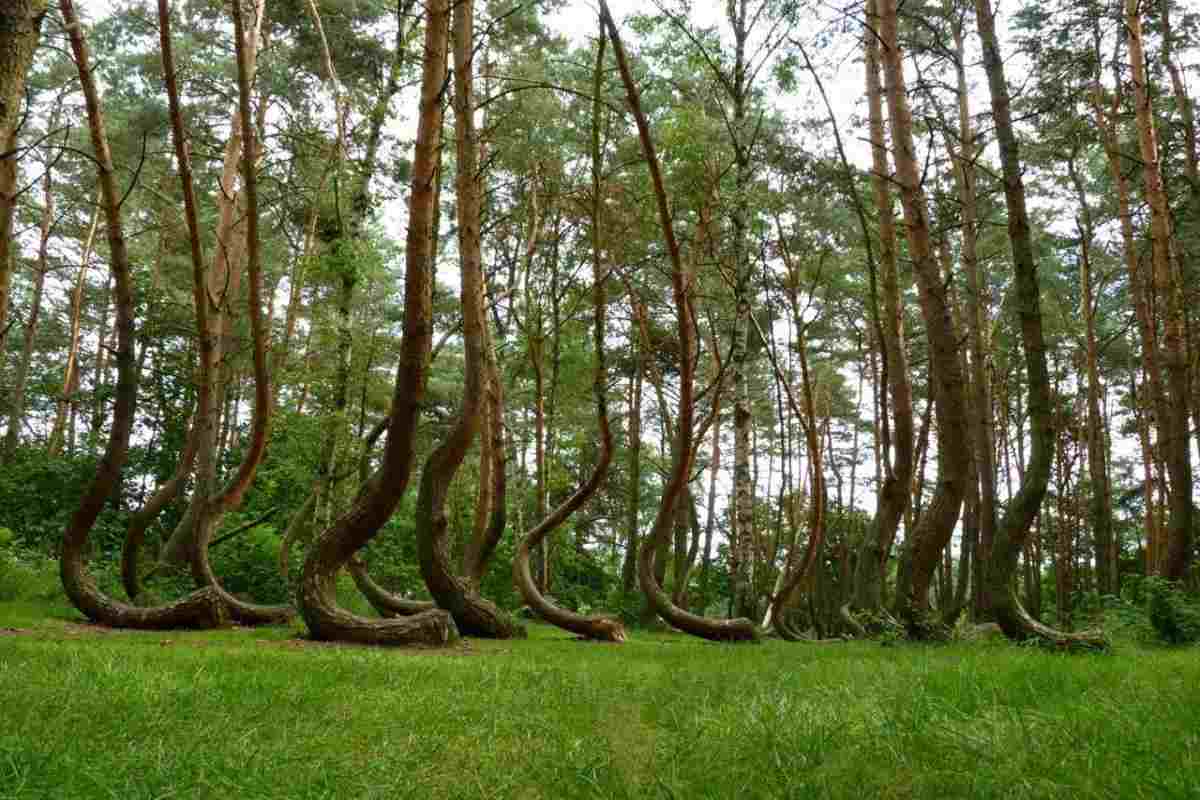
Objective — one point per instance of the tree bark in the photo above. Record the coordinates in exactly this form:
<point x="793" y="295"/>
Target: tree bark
<point x="1168" y="282"/>
<point x="20" y="30"/>
<point x="201" y="609"/>
<point x="473" y="614"/>
<point x="720" y="630"/>
<point x="894" y="497"/>
<point x="1100" y="498"/>
<point x="938" y="521"/>
<point x="1022" y="508"/>
<point x="336" y="545"/>
<point x="601" y="627"/>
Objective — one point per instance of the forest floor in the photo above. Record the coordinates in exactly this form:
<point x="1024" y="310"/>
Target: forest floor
<point x="90" y="713"/>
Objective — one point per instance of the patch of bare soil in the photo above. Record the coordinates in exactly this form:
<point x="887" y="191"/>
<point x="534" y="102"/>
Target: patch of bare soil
<point x="460" y="648"/>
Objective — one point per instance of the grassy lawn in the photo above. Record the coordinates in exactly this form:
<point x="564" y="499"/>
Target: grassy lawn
<point x="86" y="713"/>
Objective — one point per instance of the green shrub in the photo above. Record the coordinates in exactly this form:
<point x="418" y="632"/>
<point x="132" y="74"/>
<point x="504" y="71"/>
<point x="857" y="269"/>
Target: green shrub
<point x="1173" y="614"/>
<point x="1167" y="613"/>
<point x="248" y="565"/>
<point x="26" y="574"/>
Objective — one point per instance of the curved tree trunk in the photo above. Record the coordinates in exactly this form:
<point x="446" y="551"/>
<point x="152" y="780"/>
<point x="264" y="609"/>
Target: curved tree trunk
<point x="936" y="525"/>
<point x="202" y="609"/>
<point x="334" y="548"/>
<point x="601" y="627"/>
<point x="211" y="508"/>
<point x="473" y="614"/>
<point x="1021" y="510"/>
<point x="719" y="630"/>
<point x="386" y="603"/>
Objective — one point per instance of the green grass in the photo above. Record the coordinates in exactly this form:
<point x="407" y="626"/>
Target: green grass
<point x="261" y="714"/>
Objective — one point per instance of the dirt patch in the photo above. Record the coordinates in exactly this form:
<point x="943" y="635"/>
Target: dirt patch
<point x="460" y="648"/>
<point x="15" y="631"/>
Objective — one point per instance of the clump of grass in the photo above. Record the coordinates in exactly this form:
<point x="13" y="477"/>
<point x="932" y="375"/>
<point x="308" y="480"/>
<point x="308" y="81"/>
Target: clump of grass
<point x="263" y="713"/>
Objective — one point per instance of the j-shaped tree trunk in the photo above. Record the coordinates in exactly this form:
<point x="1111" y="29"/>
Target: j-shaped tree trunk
<point x="1022" y="508"/>
<point x="335" y="546"/>
<point x="143" y="518"/>
<point x="936" y="526"/>
<point x="202" y="609"/>
<point x="720" y="630"/>
<point x="213" y="505"/>
<point x="603" y="627"/>
<point x="473" y="614"/>
<point x="1168" y="283"/>
<point x="223" y="279"/>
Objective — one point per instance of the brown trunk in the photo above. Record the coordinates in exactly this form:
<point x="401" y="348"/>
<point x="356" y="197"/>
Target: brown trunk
<point x="20" y="29"/>
<point x="1139" y="290"/>
<point x="482" y="548"/>
<point x="16" y="410"/>
<point x="213" y="506"/>
<point x="203" y="608"/>
<point x="938" y="521"/>
<point x="1173" y="425"/>
<point x="602" y="627"/>
<point x="894" y="497"/>
<point x="722" y="630"/>
<point x="1021" y="510"/>
<point x="634" y="444"/>
<point x="1100" y="497"/>
<point x="472" y="613"/>
<point x="351" y="531"/>
<point x="387" y="603"/>
<point x="71" y="373"/>
<point x="981" y="422"/>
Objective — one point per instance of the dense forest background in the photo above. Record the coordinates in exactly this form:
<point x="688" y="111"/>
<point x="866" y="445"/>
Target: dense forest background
<point x="830" y="319"/>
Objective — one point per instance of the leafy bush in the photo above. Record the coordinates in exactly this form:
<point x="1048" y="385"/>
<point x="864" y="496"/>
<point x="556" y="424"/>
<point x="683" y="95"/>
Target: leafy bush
<point x="1155" y="608"/>
<point x="1175" y="616"/>
<point x="248" y="565"/>
<point x="25" y="574"/>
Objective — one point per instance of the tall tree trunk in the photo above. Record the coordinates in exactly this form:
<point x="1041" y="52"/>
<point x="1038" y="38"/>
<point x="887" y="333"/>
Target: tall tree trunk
<point x="71" y="373"/>
<point x="938" y="521"/>
<point x="603" y="627"/>
<point x="203" y="608"/>
<point x="217" y="504"/>
<point x="1019" y="514"/>
<point x="472" y="613"/>
<point x="1100" y="501"/>
<point x="893" y="495"/>
<point x="982" y="433"/>
<point x="634" y="445"/>
<point x="20" y="30"/>
<point x="1168" y="279"/>
<point x="350" y="532"/>
<point x="16" y="410"/>
<point x="721" y="630"/>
